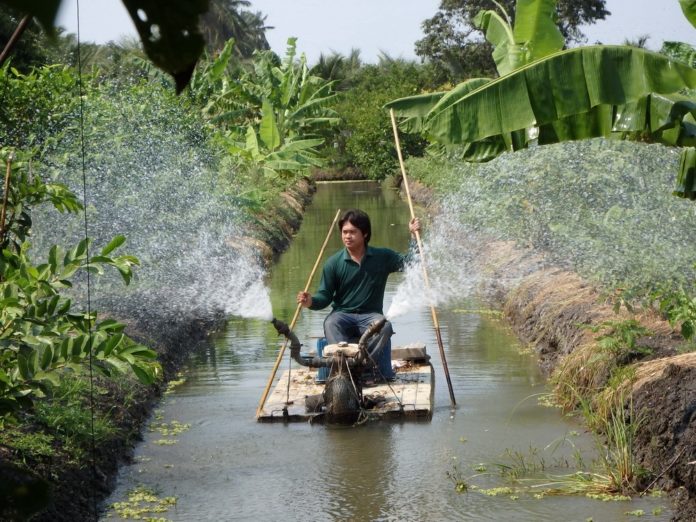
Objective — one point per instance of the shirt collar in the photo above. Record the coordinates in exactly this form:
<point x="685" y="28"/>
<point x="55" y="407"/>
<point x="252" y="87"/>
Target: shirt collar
<point x="346" y="255"/>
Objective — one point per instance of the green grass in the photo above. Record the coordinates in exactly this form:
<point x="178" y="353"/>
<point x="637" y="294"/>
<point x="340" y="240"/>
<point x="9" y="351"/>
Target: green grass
<point x="68" y="416"/>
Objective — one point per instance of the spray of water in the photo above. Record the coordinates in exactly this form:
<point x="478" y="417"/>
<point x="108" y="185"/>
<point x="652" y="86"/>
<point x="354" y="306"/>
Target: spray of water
<point x="603" y="209"/>
<point x="153" y="177"/>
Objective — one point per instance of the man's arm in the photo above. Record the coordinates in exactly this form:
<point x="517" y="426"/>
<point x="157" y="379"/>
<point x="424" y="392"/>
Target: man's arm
<point x="324" y="294"/>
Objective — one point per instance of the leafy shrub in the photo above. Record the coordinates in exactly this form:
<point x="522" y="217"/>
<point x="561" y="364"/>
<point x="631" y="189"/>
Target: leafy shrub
<point x="366" y="140"/>
<point x="42" y="337"/>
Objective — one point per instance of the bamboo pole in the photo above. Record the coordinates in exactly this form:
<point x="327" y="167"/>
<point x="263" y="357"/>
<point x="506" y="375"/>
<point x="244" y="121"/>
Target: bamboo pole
<point x="5" y="197"/>
<point x="279" y="359"/>
<point x="21" y="27"/>
<point x="436" y="323"/>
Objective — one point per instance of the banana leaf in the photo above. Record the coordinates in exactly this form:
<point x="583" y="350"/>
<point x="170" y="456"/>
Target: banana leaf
<point x="506" y="54"/>
<point x="268" y="130"/>
<point x="564" y="84"/>
<point x="536" y="30"/>
<point x="689" y="9"/>
<point x="414" y="109"/>
<point x="534" y="36"/>
<point x="686" y="180"/>
<point x="665" y="118"/>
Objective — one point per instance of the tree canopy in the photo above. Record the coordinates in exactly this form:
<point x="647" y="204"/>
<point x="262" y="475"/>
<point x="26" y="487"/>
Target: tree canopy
<point x="454" y="44"/>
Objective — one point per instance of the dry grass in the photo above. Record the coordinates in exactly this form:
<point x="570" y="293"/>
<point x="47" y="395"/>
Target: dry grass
<point x="653" y="370"/>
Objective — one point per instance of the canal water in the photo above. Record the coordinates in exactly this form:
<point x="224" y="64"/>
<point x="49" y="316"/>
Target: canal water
<point x="223" y="465"/>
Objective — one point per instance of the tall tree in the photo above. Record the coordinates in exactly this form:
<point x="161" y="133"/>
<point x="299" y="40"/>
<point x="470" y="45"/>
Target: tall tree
<point x="227" y="19"/>
<point x="457" y="48"/>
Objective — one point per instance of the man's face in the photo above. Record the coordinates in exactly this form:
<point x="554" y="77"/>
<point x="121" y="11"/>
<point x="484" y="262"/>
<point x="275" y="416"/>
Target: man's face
<point x="352" y="236"/>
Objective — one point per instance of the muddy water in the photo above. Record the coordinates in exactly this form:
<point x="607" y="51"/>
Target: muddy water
<point x="229" y="467"/>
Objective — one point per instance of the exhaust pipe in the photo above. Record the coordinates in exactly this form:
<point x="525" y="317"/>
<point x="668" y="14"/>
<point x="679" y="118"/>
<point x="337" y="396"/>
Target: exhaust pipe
<point x="295" y="345"/>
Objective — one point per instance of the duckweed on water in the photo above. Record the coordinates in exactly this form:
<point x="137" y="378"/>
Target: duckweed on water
<point x="171" y="429"/>
<point x="142" y="502"/>
<point x="165" y="442"/>
<point x="175" y="383"/>
<point x="496" y="492"/>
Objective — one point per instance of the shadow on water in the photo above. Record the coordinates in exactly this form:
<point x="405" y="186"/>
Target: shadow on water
<point x="229" y="467"/>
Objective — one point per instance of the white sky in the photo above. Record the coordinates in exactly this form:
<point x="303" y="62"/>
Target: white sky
<point x="372" y="26"/>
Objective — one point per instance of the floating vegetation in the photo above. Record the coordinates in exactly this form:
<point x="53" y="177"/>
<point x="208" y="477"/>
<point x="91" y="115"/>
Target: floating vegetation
<point x="165" y="442"/>
<point x="496" y="492"/>
<point x="635" y="513"/>
<point x="175" y="383"/>
<point x="171" y="429"/>
<point x="143" y="502"/>
<point x="457" y="478"/>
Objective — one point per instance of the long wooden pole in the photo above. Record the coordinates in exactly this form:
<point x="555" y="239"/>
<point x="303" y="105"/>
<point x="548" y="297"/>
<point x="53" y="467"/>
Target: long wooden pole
<point x="23" y="24"/>
<point x="279" y="359"/>
<point x="436" y="323"/>
<point x="5" y="197"/>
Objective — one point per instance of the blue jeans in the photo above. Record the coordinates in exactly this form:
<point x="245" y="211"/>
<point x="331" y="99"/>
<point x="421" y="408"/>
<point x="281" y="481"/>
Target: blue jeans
<point x="344" y="326"/>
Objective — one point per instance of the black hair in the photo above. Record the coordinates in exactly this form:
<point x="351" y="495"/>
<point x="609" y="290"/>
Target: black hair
<point x="359" y="220"/>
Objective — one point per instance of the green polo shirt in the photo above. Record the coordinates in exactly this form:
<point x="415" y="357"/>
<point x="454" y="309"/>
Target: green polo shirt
<point x="353" y="287"/>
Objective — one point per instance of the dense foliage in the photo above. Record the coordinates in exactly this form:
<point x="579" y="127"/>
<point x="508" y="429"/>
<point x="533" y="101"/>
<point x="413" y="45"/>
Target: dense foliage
<point x="456" y="47"/>
<point x="365" y="141"/>
<point x="42" y="337"/>
<point x="32" y="49"/>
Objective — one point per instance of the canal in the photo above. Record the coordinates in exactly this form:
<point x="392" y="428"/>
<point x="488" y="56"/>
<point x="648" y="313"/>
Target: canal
<point x="223" y="465"/>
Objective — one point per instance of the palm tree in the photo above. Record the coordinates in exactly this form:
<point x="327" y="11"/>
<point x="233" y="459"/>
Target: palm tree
<point x="227" y="19"/>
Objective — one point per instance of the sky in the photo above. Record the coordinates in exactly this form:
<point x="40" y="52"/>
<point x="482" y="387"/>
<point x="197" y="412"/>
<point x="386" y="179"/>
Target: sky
<point x="374" y="26"/>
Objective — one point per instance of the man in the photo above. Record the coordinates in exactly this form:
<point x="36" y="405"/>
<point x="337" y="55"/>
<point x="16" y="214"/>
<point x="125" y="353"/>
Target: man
<point x="354" y="280"/>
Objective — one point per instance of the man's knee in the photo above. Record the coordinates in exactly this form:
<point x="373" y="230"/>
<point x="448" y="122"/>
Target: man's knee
<point x="335" y="328"/>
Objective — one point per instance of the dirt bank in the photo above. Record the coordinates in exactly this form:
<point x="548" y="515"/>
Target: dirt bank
<point x="73" y="490"/>
<point x="551" y="310"/>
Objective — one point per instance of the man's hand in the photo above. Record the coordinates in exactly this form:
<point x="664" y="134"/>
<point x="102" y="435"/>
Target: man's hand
<point x="414" y="226"/>
<point x="305" y="299"/>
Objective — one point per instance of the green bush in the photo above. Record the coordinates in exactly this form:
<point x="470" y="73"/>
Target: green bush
<point x="366" y="140"/>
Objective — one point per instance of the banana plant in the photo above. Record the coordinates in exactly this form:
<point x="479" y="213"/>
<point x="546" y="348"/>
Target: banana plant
<point x="272" y="115"/>
<point x="534" y="35"/>
<point x="274" y="156"/>
<point x="612" y="91"/>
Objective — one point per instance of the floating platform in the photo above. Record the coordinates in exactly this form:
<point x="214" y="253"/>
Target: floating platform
<point x="408" y="397"/>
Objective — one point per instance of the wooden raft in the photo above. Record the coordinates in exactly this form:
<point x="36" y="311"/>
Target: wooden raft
<point x="413" y="389"/>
